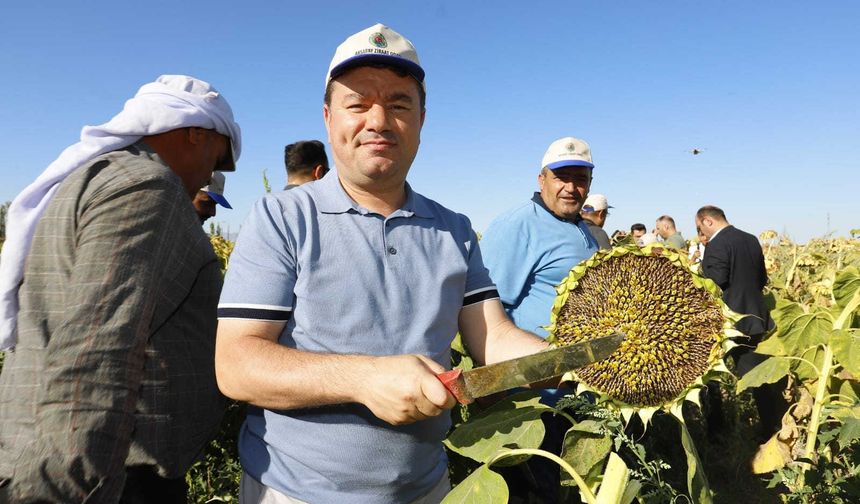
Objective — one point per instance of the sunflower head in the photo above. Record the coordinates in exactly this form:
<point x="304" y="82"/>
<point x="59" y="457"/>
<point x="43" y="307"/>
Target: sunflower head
<point x="675" y="323"/>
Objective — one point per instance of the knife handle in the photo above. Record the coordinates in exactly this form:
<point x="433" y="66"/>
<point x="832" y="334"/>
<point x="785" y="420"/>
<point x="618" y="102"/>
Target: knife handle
<point x="456" y="385"/>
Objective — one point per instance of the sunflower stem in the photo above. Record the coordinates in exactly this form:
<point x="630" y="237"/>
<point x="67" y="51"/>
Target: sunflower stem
<point x="815" y="418"/>
<point x="697" y="482"/>
<point x="583" y="487"/>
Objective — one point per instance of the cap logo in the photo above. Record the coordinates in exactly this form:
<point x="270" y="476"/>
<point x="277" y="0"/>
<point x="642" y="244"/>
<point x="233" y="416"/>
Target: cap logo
<point x="571" y="147"/>
<point x="378" y="39"/>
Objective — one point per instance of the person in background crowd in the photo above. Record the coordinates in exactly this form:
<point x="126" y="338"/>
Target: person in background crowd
<point x="110" y="393"/>
<point x="552" y="238"/>
<point x="594" y="212"/>
<point x="672" y="238"/>
<point x="647" y="239"/>
<point x="636" y="231"/>
<point x="305" y="161"/>
<point x="696" y="251"/>
<point x="734" y="261"/>
<point x="209" y="195"/>
<point x="344" y="402"/>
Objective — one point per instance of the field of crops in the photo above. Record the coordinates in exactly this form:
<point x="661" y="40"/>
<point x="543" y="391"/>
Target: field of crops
<point x="664" y="454"/>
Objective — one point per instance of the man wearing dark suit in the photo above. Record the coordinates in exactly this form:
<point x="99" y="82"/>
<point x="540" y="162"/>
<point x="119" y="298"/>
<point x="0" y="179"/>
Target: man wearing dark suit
<point x="734" y="261"/>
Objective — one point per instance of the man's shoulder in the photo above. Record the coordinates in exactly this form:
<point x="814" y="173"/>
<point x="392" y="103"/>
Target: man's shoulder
<point x="427" y="207"/>
<point x="126" y="168"/>
<point x="517" y="216"/>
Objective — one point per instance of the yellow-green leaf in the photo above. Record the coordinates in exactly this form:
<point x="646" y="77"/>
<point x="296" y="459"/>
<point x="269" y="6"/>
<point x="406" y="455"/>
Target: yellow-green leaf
<point x="846" y="349"/>
<point x="583" y="450"/>
<point x="771" y="456"/>
<point x="846" y="285"/>
<point x="849" y="431"/>
<point x="769" y="371"/>
<point x="512" y="422"/>
<point x="484" y="486"/>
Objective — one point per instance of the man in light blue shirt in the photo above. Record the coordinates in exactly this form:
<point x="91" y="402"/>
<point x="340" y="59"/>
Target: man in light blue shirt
<point x="341" y="301"/>
<point x="529" y="250"/>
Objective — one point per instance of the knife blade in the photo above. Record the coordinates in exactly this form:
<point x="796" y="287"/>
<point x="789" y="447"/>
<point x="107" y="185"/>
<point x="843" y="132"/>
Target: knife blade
<point x="465" y="386"/>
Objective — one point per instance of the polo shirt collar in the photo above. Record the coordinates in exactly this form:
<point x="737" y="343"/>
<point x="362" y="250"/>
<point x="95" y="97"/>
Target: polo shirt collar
<point x="332" y="198"/>
<point x="539" y="201"/>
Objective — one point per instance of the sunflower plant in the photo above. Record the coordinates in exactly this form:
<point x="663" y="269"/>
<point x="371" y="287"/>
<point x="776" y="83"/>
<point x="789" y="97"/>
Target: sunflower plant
<point x="677" y="332"/>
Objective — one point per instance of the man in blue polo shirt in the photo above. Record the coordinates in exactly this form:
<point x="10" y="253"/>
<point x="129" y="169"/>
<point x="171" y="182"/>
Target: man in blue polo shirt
<point x="341" y="301"/>
<point x="529" y="250"/>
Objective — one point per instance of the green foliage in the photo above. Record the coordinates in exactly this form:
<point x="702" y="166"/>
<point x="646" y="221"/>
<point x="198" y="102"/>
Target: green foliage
<point x="484" y="486"/>
<point x="816" y="342"/>
<point x="215" y="478"/>
<point x="266" y="185"/>
<point x="4" y="211"/>
<point x="512" y="422"/>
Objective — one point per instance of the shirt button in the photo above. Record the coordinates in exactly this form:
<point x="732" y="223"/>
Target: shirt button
<point x="392" y="250"/>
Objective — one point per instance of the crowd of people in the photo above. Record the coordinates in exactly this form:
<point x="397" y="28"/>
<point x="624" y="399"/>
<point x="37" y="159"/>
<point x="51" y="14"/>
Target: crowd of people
<point x="337" y="312"/>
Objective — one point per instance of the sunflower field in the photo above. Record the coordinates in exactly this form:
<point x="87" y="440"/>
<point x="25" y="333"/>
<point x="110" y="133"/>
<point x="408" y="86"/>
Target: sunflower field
<point x="636" y="422"/>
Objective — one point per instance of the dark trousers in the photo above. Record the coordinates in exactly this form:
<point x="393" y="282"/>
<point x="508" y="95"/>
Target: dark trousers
<point x="769" y="401"/>
<point x="144" y="486"/>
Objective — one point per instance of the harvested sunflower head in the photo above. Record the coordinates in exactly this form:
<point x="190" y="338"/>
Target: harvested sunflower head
<point x="675" y="323"/>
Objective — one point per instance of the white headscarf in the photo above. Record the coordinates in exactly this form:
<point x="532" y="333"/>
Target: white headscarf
<point x="171" y="102"/>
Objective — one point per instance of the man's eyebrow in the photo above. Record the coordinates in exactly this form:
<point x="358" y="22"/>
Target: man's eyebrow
<point x="353" y="96"/>
<point x="400" y="97"/>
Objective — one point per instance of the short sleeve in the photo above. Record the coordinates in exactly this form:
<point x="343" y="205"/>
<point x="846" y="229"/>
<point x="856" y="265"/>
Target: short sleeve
<point x="261" y="274"/>
<point x="479" y="286"/>
<point x="509" y="266"/>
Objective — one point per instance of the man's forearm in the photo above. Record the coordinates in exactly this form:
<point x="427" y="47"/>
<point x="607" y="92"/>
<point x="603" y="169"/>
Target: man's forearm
<point x="265" y="373"/>
<point x="492" y="337"/>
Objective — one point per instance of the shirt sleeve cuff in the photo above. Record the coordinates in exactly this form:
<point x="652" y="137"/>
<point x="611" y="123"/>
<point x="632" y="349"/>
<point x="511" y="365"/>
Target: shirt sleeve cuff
<point x="269" y="313"/>
<point x="480" y="295"/>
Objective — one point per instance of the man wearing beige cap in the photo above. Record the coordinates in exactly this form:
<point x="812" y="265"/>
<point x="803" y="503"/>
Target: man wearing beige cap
<point x="594" y="211"/>
<point x="209" y="196"/>
<point x="531" y="249"/>
<point x="366" y="284"/>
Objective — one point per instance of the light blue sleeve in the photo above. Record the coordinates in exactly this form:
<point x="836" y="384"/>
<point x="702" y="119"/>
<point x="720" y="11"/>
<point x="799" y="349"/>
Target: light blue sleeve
<point x="507" y="256"/>
<point x="261" y="273"/>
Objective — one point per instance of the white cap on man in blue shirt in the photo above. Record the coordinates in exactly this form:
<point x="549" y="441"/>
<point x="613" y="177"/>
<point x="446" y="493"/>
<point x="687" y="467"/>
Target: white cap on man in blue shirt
<point x="567" y="151"/>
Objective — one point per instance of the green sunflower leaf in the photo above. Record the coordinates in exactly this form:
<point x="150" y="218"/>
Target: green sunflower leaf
<point x="583" y="450"/>
<point x="846" y="349"/>
<point x="484" y="486"/>
<point x="849" y="431"/>
<point x="769" y="371"/>
<point x="512" y="422"/>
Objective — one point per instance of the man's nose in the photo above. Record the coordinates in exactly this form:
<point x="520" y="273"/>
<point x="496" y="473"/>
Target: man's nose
<point x="377" y="118"/>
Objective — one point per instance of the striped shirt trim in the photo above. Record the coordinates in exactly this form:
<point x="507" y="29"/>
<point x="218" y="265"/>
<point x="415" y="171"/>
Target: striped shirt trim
<point x="270" y="313"/>
<point x="480" y="295"/>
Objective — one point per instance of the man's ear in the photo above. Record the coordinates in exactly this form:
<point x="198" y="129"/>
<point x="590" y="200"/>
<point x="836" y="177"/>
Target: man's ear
<point x="319" y="171"/>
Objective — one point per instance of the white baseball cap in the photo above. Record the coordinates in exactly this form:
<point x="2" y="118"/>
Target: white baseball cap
<point x="595" y="203"/>
<point x="215" y="189"/>
<point x="377" y="44"/>
<point x="567" y="151"/>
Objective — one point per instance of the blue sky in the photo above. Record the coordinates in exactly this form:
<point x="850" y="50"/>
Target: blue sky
<point x="770" y="90"/>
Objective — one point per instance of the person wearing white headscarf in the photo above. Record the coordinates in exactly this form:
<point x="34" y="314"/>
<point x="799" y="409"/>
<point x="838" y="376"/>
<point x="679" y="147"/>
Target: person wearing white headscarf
<point x="171" y="102"/>
<point x="109" y="292"/>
